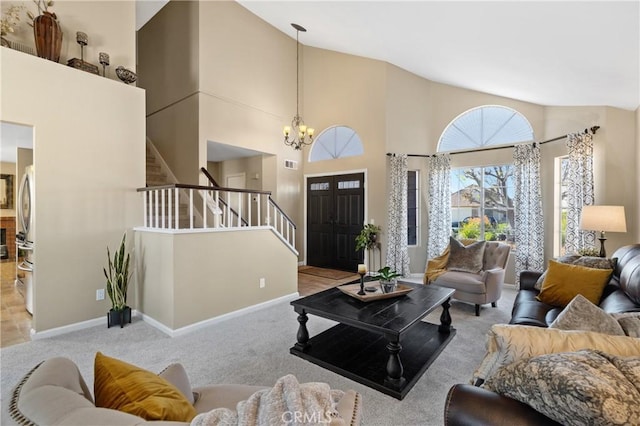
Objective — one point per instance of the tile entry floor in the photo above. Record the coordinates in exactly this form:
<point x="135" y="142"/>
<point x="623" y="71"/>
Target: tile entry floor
<point x="14" y="318"/>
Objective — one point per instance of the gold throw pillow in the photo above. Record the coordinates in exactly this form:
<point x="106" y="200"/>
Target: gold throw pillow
<point x="565" y="281"/>
<point x="125" y="387"/>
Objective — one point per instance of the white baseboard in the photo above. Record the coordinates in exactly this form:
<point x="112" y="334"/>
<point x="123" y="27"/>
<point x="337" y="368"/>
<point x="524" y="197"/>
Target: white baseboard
<point x="157" y="324"/>
<point x="215" y="320"/>
<point x="37" y="335"/>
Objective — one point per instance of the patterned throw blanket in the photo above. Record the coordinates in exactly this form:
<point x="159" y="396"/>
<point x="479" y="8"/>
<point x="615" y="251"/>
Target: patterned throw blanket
<point x="288" y="402"/>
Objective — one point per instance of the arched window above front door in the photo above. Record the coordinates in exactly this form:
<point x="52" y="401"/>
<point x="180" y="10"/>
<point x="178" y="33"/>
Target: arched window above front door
<point x="336" y="142"/>
<point x="485" y="126"/>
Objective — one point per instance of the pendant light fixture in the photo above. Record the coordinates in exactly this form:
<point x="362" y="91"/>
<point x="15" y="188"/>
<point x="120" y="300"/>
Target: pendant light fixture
<point x="298" y="134"/>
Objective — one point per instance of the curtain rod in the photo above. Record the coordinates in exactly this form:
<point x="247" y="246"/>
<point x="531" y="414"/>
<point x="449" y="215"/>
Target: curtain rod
<point x="593" y="130"/>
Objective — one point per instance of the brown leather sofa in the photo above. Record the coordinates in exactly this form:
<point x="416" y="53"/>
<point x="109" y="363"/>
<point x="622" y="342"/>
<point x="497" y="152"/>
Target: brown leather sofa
<point x="468" y="405"/>
<point x="622" y="294"/>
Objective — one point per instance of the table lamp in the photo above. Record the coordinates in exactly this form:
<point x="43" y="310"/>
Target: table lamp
<point x="603" y="218"/>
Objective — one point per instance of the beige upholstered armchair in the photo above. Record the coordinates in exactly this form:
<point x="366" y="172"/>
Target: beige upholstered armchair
<point x="479" y="288"/>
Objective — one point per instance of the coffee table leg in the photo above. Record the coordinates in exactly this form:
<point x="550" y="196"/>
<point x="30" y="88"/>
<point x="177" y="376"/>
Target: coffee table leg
<point x="303" y="333"/>
<point x="394" y="365"/>
<point x="445" y="318"/>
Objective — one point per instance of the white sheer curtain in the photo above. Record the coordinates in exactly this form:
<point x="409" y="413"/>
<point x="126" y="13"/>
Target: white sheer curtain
<point x="529" y="223"/>
<point x="439" y="228"/>
<point x="397" y="253"/>
<point x="579" y="190"/>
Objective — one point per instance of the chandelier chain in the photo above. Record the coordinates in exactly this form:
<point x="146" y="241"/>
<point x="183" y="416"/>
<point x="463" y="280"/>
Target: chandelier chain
<point x="298" y="134"/>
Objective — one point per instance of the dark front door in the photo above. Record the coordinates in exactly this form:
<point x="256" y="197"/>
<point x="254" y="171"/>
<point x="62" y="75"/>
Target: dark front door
<point x="335" y="214"/>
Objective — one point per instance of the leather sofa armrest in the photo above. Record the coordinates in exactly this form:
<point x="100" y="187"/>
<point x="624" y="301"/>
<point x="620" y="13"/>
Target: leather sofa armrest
<point x="528" y="279"/>
<point x="468" y="405"/>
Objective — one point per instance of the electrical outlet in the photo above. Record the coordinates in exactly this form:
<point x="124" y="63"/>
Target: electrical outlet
<point x="100" y="294"/>
<point x="263" y="283"/>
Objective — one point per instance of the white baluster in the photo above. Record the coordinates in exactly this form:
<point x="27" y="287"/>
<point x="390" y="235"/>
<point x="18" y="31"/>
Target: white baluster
<point x="239" y="209"/>
<point x="162" y="196"/>
<point x="169" y="208"/>
<point x="177" y="208"/>
<point x="218" y="207"/>
<point x="229" y="218"/>
<point x="268" y="212"/>
<point x="144" y="208"/>
<point x="204" y="208"/>
<point x="259" y="216"/>
<point x="190" y="208"/>
<point x="155" y="204"/>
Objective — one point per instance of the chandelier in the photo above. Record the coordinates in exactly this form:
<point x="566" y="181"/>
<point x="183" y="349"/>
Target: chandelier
<point x="298" y="134"/>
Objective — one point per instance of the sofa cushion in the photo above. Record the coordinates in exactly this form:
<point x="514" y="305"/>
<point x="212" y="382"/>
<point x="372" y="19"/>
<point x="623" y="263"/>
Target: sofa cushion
<point x="563" y="282"/>
<point x="463" y="281"/>
<point x="125" y="387"/>
<point x="576" y="388"/>
<point x="580" y="314"/>
<point x="509" y="343"/>
<point x="630" y="323"/>
<point x="465" y="258"/>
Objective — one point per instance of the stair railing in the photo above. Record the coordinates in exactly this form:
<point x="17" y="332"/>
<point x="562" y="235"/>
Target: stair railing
<point x="214" y="184"/>
<point x="172" y="207"/>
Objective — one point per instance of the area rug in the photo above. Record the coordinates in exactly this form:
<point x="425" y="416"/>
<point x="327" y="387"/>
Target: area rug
<point x="326" y="273"/>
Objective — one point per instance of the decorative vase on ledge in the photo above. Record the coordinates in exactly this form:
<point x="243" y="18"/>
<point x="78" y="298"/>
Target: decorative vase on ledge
<point x="48" y="36"/>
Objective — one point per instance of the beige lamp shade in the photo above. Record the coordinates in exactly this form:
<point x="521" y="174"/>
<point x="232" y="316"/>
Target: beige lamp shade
<point x="603" y="219"/>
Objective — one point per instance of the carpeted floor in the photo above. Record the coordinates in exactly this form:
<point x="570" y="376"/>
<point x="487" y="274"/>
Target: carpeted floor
<point x="254" y="349"/>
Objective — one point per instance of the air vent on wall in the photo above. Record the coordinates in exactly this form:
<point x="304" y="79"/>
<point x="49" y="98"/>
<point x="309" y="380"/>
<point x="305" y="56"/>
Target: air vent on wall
<point x="290" y="164"/>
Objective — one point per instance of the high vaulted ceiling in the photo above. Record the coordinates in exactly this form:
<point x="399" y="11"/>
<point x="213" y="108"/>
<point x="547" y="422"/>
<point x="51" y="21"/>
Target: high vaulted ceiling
<point x="570" y="53"/>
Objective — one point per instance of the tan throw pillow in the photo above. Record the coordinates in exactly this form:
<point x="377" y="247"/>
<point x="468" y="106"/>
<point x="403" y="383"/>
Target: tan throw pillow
<point x="580" y="314"/>
<point x="177" y="376"/>
<point x="507" y="343"/>
<point x="465" y="259"/>
<point x="125" y="387"/>
<point x="563" y="282"/>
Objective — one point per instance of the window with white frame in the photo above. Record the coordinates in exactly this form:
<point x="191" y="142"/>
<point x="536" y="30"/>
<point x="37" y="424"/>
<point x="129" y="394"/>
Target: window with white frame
<point x="413" y="217"/>
<point x="482" y="203"/>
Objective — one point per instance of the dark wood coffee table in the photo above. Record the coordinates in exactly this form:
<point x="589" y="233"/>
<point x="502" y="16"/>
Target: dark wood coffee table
<point x="382" y="344"/>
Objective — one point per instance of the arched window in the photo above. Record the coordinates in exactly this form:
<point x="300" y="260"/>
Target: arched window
<point x="336" y="142"/>
<point x="482" y="196"/>
<point x="481" y="127"/>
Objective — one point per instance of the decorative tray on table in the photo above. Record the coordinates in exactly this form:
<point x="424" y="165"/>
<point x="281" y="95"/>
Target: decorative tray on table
<point x="353" y="289"/>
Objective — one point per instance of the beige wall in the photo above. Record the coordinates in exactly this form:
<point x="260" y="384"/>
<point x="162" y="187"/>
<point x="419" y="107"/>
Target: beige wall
<point x="348" y="90"/>
<point x="176" y="294"/>
<point x="89" y="151"/>
<point x="636" y="218"/>
<point x="236" y="86"/>
<point x="250" y="166"/>
<point x="109" y="25"/>
<point x="395" y="111"/>
<point x="615" y="174"/>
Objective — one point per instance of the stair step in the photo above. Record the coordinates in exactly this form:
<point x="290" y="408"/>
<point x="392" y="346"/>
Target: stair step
<point x="152" y="167"/>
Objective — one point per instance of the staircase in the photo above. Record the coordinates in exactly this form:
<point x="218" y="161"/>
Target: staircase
<point x="207" y="207"/>
<point x="155" y="175"/>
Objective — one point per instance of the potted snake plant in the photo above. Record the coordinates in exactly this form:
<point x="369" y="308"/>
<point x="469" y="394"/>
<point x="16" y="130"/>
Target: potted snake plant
<point x="117" y="275"/>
